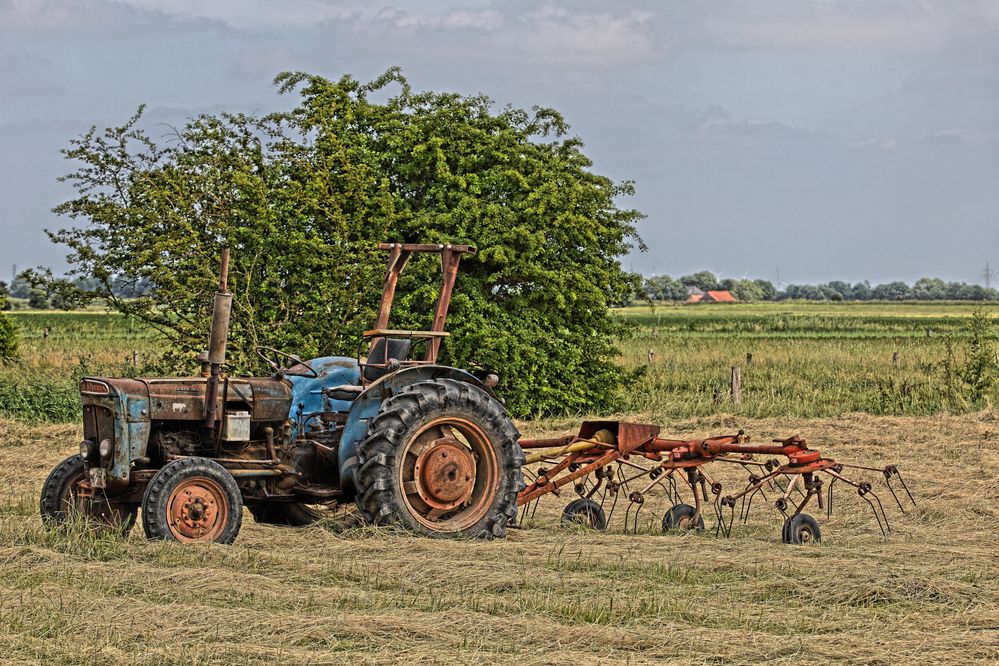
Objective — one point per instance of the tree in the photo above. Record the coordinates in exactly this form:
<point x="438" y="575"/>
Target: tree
<point x="767" y="289"/>
<point x="663" y="288"/>
<point x="8" y="332"/>
<point x="745" y="290"/>
<point x="303" y="196"/>
<point x="38" y="300"/>
<point x="705" y="280"/>
<point x="892" y="291"/>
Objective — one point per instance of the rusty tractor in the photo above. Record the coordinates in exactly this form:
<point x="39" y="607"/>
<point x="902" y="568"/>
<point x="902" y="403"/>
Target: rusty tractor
<point x="610" y="460"/>
<point x="404" y="439"/>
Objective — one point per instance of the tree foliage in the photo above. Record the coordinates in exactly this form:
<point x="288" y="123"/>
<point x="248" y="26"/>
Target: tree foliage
<point x="303" y="197"/>
<point x="9" y="337"/>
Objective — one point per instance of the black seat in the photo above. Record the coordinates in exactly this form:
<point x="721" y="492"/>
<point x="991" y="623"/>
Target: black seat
<point x="383" y="350"/>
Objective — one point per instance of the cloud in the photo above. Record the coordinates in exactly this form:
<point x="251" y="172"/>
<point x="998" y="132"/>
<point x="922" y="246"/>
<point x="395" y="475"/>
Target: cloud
<point x="847" y="25"/>
<point x="26" y="74"/>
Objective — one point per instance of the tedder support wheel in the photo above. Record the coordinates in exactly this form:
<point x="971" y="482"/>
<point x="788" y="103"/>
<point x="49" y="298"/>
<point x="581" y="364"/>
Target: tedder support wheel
<point x="586" y="512"/>
<point x="192" y="499"/>
<point x="293" y="514"/>
<point x="441" y="458"/>
<point x="801" y="529"/>
<point x="61" y="496"/>
<point x="680" y="518"/>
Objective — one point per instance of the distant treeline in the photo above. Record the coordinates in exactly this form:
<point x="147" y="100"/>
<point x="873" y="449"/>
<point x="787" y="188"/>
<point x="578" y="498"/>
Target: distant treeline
<point x="39" y="299"/>
<point x="665" y="288"/>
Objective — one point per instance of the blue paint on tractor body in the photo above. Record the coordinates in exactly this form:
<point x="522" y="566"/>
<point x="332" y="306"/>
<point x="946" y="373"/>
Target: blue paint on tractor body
<point x="307" y="402"/>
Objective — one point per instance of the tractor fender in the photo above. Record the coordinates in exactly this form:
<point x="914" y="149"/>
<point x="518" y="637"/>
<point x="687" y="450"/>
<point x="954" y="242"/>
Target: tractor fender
<point x="367" y="404"/>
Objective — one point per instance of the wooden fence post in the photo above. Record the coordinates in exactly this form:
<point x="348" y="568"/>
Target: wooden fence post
<point x="736" y="384"/>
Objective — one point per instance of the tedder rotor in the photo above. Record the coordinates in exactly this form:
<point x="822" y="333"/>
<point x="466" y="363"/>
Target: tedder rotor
<point x="610" y="460"/>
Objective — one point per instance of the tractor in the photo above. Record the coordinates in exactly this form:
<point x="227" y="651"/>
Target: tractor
<point x="406" y="440"/>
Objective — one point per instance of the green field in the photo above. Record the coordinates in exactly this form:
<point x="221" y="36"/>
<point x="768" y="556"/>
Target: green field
<point x="808" y="359"/>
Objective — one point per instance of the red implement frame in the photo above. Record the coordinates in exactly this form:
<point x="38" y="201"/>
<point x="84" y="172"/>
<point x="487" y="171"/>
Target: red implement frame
<point x="586" y="460"/>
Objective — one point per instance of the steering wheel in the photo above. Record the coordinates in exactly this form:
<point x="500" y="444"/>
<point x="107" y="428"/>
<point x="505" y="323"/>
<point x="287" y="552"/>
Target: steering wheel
<point x="277" y="354"/>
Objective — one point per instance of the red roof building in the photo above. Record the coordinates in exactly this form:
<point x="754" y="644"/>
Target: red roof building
<point x="719" y="297"/>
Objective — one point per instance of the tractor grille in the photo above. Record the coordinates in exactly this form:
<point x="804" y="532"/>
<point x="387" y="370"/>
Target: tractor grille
<point x="98" y="423"/>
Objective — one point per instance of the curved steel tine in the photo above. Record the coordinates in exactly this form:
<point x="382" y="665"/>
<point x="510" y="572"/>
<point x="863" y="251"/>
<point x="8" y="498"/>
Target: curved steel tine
<point x="876" y="516"/>
<point x="829" y="497"/>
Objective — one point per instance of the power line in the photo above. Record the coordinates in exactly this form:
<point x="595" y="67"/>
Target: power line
<point x="987" y="275"/>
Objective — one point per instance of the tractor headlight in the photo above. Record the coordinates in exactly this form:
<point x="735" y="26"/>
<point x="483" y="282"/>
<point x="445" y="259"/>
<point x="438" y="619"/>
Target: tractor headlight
<point x="105" y="448"/>
<point x="85" y="449"/>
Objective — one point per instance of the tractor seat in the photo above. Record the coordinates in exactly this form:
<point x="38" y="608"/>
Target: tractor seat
<point x="377" y="364"/>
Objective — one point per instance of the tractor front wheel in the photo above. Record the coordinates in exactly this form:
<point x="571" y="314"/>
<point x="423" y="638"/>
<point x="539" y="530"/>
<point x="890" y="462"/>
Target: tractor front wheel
<point x="192" y="499"/>
<point x="62" y="496"/>
<point x="441" y="458"/>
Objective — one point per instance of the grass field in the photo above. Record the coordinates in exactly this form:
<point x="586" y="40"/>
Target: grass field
<point x="808" y="359"/>
<point x="928" y="594"/>
<point x="328" y="594"/>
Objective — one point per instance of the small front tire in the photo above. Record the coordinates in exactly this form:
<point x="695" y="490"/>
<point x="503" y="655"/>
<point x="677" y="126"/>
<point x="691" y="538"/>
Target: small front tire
<point x="191" y="500"/>
<point x="61" y="496"/>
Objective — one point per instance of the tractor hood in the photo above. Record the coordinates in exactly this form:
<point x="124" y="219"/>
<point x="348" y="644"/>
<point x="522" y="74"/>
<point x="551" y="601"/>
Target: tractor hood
<point x="183" y="398"/>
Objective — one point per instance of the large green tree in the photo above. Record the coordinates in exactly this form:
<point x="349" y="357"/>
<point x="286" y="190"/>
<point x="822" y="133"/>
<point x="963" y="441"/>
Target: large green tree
<point x="303" y="197"/>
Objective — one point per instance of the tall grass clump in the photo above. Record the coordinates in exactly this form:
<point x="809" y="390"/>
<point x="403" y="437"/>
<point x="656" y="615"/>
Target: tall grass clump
<point x="8" y="335"/>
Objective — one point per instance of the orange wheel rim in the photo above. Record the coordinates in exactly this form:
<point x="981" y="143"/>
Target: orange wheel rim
<point x="449" y="474"/>
<point x="197" y="510"/>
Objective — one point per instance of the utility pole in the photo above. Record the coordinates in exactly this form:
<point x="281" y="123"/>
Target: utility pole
<point x="988" y="274"/>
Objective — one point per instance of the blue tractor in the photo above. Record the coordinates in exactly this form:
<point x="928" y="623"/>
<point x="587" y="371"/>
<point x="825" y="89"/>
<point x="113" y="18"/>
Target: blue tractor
<point x="401" y="438"/>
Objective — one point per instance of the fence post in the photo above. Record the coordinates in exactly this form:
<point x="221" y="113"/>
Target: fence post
<point x="736" y="384"/>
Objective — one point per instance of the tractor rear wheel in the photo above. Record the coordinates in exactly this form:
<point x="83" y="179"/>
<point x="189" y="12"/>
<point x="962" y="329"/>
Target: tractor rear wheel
<point x="61" y="496"/>
<point x="441" y="458"/>
<point x="192" y="499"/>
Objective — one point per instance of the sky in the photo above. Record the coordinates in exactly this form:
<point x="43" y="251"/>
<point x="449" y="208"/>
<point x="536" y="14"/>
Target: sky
<point x="793" y="140"/>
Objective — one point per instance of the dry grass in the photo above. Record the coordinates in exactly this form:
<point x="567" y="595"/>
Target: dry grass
<point x="930" y="593"/>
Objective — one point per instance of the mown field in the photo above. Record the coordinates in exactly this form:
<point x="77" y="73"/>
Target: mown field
<point x="321" y="595"/>
<point x="329" y="594"/>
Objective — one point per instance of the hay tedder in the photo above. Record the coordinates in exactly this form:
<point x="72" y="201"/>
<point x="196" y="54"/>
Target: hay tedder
<point x="396" y="437"/>
<point x="615" y="462"/>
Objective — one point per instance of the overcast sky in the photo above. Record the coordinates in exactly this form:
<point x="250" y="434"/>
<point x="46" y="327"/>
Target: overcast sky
<point x="823" y="139"/>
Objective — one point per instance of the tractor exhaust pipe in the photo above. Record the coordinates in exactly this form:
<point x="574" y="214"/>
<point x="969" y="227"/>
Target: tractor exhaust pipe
<point x="219" y="335"/>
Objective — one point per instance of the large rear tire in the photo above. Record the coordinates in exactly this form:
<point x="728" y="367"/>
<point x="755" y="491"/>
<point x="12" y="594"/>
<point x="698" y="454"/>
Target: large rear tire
<point x="441" y="458"/>
<point x="190" y="500"/>
<point x="61" y="496"/>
